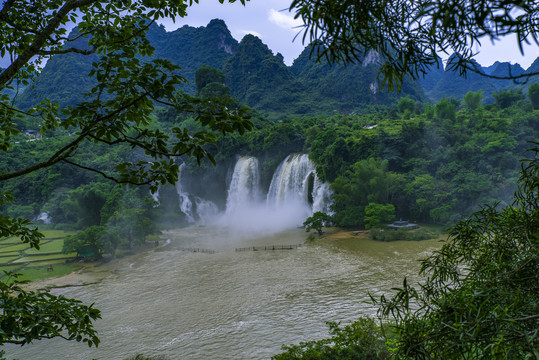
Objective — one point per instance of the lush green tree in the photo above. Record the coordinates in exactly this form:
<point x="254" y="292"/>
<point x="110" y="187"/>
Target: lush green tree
<point x="533" y="94"/>
<point x="215" y="90"/>
<point x="367" y="181"/>
<point x="361" y="340"/>
<point x="406" y="104"/>
<point x="376" y="215"/>
<point x="472" y="100"/>
<point x="28" y="316"/>
<point x="432" y="198"/>
<point x="131" y="218"/>
<point x="410" y="36"/>
<point x="206" y="75"/>
<point x="116" y="112"/>
<point x="507" y="98"/>
<point x="83" y="205"/>
<point x="317" y="221"/>
<point x="445" y="110"/>
<point x="89" y="238"/>
<point x="481" y="296"/>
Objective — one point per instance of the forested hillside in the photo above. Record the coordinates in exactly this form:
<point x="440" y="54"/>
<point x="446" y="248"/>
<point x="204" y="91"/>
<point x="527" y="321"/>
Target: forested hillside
<point x="260" y="79"/>
<point x="256" y="76"/>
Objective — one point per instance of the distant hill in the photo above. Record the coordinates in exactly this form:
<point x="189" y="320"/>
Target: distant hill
<point x="534" y="68"/>
<point x="191" y="47"/>
<point x="449" y="82"/>
<point x="260" y="79"/>
<point x="452" y="83"/>
<point x="432" y="77"/>
<point x="64" y="78"/>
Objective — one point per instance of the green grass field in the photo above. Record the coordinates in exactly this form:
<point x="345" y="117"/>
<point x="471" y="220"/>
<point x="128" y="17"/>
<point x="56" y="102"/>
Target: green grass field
<point x="19" y="257"/>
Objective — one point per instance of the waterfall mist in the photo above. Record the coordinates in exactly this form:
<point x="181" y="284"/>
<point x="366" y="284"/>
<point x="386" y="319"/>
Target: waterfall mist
<point x="294" y="193"/>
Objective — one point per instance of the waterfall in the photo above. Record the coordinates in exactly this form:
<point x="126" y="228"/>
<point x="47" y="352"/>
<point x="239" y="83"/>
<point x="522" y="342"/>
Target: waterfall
<point x="290" y="182"/>
<point x="295" y="192"/>
<point x="295" y="180"/>
<point x="244" y="186"/>
<point x="321" y="196"/>
<point x="45" y="218"/>
<point x="155" y="197"/>
<point x="186" y="206"/>
<point x="206" y="210"/>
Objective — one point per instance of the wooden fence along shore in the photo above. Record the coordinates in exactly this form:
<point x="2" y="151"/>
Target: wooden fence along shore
<point x="197" y="250"/>
<point x="251" y="248"/>
<point x="269" y="247"/>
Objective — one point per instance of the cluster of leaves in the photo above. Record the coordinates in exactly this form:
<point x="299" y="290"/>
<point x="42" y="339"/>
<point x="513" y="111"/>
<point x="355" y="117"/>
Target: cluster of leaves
<point x="410" y="36"/>
<point x="29" y="315"/>
<point x="362" y="339"/>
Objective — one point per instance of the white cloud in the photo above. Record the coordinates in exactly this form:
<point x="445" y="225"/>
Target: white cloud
<point x="252" y="32"/>
<point x="283" y="20"/>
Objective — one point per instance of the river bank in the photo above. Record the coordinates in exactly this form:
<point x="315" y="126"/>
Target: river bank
<point x="95" y="272"/>
<point x="89" y="273"/>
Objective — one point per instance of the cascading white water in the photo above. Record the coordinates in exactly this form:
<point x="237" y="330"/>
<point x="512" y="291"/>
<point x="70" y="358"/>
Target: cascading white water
<point x="321" y="196"/>
<point x="244" y="187"/>
<point x="295" y="180"/>
<point x="44" y="217"/>
<point x="206" y="210"/>
<point x="186" y="205"/>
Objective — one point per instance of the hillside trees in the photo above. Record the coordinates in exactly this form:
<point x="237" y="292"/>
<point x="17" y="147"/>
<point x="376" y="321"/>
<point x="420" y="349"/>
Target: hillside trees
<point x="533" y="94"/>
<point x="206" y="75"/>
<point x="504" y="99"/>
<point x="367" y="181"/>
<point x="472" y="100"/>
<point x="116" y="112"/>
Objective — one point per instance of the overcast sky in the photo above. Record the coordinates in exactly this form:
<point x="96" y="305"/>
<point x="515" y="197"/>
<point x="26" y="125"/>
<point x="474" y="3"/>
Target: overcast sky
<point x="267" y="20"/>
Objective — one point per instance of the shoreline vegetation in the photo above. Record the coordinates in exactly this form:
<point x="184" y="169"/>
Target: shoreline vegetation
<point x="418" y="234"/>
<point x="82" y="273"/>
<point x="48" y="269"/>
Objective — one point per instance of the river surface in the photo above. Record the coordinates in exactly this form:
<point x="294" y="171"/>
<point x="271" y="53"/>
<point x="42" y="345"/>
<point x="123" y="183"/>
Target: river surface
<point x="233" y="305"/>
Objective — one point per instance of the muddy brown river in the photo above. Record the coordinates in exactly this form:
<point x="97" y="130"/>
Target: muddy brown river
<point x="229" y="304"/>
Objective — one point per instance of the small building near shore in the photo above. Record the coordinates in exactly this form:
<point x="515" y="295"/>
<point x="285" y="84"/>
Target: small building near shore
<point x="401" y="224"/>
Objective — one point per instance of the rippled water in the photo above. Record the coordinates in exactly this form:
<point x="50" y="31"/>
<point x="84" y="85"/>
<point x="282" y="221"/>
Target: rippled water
<point x="233" y="305"/>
